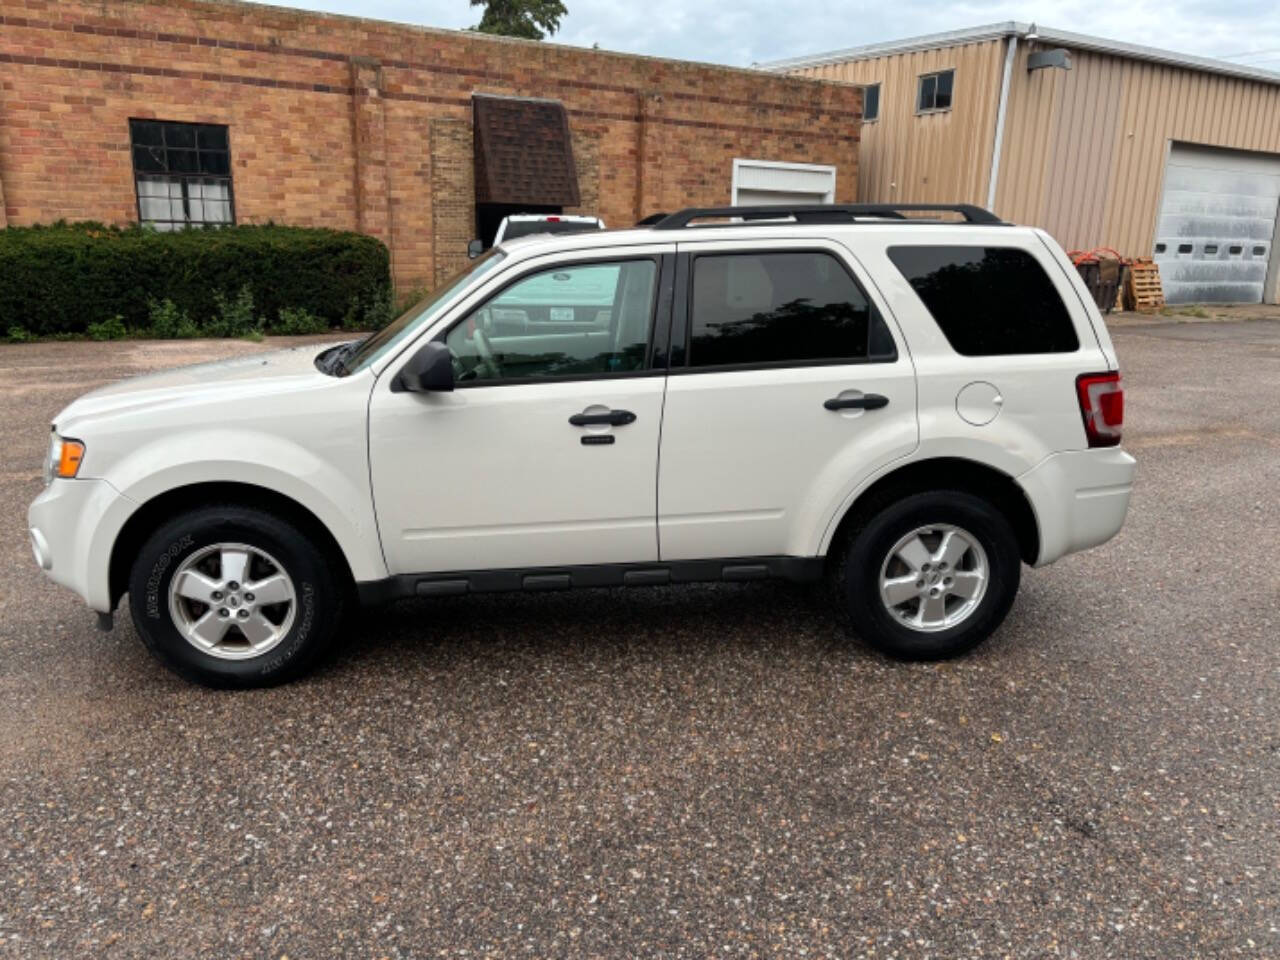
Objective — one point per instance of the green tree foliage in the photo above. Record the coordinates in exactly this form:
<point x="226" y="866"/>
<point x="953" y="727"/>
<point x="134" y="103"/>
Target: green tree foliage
<point x="530" y="19"/>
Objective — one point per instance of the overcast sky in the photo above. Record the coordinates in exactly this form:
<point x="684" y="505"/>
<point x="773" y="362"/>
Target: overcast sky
<point x="742" y="32"/>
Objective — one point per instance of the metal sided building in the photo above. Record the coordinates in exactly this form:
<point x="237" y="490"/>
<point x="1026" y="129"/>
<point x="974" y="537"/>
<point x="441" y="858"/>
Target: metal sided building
<point x="1101" y="143"/>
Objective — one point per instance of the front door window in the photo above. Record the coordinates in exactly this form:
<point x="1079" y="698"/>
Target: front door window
<point x="571" y="321"/>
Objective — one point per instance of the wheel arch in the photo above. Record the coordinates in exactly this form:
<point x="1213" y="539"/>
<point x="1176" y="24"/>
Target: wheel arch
<point x="944" y="473"/>
<point x="155" y="511"/>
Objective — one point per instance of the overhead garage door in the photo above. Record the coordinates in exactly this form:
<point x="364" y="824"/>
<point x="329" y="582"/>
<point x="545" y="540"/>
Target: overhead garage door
<point x="1217" y="220"/>
<point x="768" y="183"/>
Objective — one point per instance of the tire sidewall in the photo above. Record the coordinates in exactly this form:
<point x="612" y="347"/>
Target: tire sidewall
<point x="867" y="553"/>
<point x="163" y="554"/>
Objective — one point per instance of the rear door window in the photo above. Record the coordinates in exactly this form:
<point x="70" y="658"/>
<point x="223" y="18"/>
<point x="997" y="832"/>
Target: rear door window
<point x="792" y="308"/>
<point x="988" y="301"/>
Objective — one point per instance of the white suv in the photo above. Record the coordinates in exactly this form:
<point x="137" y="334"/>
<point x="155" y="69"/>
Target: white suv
<point x="911" y="407"/>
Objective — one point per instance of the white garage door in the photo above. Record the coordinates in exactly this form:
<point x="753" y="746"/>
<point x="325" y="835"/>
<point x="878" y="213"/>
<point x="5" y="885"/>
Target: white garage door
<point x="770" y="183"/>
<point x="1215" y="233"/>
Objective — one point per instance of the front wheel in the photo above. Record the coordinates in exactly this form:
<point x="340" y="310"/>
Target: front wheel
<point x="931" y="575"/>
<point x="230" y="596"/>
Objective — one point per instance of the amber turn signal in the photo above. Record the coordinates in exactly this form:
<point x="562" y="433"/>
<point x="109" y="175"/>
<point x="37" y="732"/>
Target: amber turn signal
<point x="69" y="460"/>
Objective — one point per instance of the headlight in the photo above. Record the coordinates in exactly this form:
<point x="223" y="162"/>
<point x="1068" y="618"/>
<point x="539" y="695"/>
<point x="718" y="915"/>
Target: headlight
<point x="64" y="458"/>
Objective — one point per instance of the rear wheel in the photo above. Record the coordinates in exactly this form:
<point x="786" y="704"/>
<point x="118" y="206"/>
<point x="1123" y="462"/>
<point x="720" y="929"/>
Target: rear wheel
<point x="230" y="596"/>
<point x="931" y="575"/>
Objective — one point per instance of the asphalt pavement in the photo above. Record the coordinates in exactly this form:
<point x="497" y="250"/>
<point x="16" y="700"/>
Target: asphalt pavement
<point x="682" y="771"/>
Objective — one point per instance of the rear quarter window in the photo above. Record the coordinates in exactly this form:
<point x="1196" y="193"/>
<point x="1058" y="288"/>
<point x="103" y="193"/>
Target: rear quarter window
<point x="988" y="301"/>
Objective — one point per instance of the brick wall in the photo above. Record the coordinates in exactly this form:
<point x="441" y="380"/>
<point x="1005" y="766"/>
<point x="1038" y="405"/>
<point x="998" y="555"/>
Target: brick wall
<point x="364" y="125"/>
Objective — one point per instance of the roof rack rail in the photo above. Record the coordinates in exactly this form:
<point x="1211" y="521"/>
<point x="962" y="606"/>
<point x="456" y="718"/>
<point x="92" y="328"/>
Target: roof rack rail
<point x="827" y="213"/>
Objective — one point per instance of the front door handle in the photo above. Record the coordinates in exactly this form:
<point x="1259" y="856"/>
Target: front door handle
<point x="615" y="418"/>
<point x="869" y="401"/>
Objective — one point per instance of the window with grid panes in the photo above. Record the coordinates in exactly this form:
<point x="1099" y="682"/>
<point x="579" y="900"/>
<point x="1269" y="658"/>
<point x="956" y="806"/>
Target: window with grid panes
<point x="182" y="172"/>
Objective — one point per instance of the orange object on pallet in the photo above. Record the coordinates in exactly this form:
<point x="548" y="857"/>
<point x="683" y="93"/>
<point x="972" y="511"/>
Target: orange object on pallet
<point x="1144" y="292"/>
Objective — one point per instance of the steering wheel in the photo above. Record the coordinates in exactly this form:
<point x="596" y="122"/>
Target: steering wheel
<point x="485" y="352"/>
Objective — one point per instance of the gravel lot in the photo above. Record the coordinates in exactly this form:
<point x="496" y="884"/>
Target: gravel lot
<point x="682" y="772"/>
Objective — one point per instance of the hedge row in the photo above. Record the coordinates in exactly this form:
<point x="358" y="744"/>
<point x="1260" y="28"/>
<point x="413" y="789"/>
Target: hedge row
<point x="62" y="278"/>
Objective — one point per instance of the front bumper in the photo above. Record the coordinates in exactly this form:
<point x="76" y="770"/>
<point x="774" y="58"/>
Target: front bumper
<point x="72" y="527"/>
<point x="1080" y="499"/>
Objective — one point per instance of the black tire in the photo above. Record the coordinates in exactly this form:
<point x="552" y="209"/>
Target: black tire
<point x="858" y="575"/>
<point x="320" y="592"/>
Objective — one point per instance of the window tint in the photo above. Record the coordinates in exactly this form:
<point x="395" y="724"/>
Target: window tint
<point x="182" y="173"/>
<point x="935" y="91"/>
<point x="988" y="300"/>
<point x="576" y="320"/>
<point x="778" y="308"/>
<point x="871" y="102"/>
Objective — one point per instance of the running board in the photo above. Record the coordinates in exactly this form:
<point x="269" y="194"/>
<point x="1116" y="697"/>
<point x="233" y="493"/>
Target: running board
<point x="736" y="569"/>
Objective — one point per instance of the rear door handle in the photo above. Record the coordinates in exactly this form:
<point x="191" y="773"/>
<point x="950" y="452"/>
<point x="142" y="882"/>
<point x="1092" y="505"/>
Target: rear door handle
<point x="869" y="401"/>
<point x="615" y="418"/>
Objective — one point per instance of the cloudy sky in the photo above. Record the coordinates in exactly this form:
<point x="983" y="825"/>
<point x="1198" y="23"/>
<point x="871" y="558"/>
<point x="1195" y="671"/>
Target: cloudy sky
<point x="742" y="32"/>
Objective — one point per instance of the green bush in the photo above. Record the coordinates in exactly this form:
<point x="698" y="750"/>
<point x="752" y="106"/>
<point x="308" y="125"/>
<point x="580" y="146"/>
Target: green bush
<point x="296" y="321"/>
<point x="235" y="315"/>
<point x="371" y="310"/>
<point x="58" y="279"/>
<point x="168" y="321"/>
<point x="18" y="334"/>
<point x="112" y="329"/>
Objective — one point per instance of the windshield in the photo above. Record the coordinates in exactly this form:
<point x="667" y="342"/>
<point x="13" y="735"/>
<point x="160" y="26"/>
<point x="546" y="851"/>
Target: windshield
<point x="421" y="313"/>
<point x="525" y="228"/>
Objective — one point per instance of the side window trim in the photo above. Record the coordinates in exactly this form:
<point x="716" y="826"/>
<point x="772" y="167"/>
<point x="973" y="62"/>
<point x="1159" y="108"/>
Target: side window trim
<point x="660" y="332"/>
<point x="661" y="309"/>
<point x="680" y="313"/>
<point x="682" y="323"/>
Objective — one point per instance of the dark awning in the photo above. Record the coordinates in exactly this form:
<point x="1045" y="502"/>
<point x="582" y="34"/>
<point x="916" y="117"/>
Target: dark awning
<point x="524" y="154"/>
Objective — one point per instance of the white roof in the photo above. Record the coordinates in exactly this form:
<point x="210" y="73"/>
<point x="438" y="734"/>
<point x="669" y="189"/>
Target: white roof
<point x="1045" y="35"/>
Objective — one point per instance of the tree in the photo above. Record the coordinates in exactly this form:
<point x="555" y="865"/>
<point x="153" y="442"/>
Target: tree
<point x="530" y="19"/>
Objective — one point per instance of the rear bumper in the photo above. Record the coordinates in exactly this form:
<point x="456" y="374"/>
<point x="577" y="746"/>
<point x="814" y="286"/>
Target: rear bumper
<point x="71" y="527"/>
<point x="1080" y="499"/>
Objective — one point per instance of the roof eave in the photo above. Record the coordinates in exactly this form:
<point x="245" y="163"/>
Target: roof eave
<point x="1045" y="35"/>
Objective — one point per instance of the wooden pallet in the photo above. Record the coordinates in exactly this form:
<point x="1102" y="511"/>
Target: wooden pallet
<point x="1143" y="291"/>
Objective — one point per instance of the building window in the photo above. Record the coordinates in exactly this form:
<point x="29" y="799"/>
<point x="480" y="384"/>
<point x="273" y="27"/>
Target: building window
<point x="182" y="172"/>
<point x="870" y="102"/>
<point x="935" y="91"/>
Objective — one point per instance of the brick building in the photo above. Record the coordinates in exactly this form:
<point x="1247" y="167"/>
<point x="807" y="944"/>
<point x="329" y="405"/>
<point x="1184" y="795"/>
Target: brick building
<point x="215" y="111"/>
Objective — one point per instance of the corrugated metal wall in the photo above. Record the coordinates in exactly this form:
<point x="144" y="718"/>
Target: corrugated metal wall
<point x="1084" y="149"/>
<point x="943" y="157"/>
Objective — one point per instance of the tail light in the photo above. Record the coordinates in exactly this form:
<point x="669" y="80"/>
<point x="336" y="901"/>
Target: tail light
<point x="1102" y="406"/>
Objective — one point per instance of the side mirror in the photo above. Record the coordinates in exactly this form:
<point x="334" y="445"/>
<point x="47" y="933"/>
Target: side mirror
<point x="475" y="248"/>
<point x="431" y="368"/>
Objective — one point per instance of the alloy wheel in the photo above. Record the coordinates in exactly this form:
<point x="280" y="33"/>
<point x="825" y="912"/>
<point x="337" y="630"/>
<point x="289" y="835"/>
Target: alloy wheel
<point x="934" y="578"/>
<point x="232" y="601"/>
